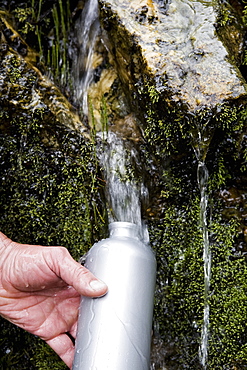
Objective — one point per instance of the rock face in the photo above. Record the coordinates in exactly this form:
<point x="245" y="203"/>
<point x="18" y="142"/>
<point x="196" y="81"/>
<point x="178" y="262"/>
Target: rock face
<point x="23" y="87"/>
<point x="165" y="82"/>
<point x="175" y="44"/>
<point x="47" y="165"/>
<point x="187" y="91"/>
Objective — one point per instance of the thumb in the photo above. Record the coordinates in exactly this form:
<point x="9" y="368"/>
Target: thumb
<point x="74" y="274"/>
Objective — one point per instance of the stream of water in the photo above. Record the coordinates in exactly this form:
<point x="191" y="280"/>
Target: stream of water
<point x="201" y="141"/>
<point x="87" y="28"/>
<point x="123" y="191"/>
<point x="202" y="177"/>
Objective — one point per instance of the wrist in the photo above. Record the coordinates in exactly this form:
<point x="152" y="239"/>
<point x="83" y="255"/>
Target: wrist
<point x="5" y="243"/>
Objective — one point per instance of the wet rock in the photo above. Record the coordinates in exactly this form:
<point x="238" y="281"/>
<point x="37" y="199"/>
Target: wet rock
<point x="175" y="45"/>
<point x="24" y="88"/>
<point x="174" y="62"/>
<point x="128" y="128"/>
<point x="47" y="173"/>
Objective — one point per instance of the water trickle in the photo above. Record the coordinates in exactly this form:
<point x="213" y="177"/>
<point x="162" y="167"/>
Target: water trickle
<point x="201" y="140"/>
<point x="202" y="177"/>
<point x="87" y="29"/>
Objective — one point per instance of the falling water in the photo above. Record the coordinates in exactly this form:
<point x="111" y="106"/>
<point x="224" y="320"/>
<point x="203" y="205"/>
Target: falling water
<point x="87" y="29"/>
<point x="202" y="178"/>
<point x="124" y="192"/>
<point x="118" y="158"/>
<point x="201" y="139"/>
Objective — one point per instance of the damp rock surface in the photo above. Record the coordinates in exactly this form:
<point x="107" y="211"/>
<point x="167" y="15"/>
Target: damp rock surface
<point x="51" y="187"/>
<point x="175" y="44"/>
<point x="23" y="87"/>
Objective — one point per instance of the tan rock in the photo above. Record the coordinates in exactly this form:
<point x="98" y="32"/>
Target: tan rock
<point x="177" y="46"/>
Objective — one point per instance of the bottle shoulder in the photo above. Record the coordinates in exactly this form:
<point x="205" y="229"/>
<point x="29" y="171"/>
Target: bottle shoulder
<point x="124" y="245"/>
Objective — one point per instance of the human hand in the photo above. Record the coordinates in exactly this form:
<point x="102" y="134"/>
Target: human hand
<point x="40" y="290"/>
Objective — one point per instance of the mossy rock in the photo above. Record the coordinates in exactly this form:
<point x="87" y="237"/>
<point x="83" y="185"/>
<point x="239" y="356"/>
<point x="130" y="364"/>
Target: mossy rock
<point x="176" y="235"/>
<point x="50" y="195"/>
<point x="50" y="187"/>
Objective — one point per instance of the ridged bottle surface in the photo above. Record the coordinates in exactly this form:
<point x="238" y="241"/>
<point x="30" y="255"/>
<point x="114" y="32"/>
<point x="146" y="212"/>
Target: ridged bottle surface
<point x="114" y="331"/>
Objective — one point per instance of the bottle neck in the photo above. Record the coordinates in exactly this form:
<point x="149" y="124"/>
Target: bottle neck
<point x="126" y="229"/>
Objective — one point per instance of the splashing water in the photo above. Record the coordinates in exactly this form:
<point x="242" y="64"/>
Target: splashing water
<point x="87" y="30"/>
<point x="123" y="191"/>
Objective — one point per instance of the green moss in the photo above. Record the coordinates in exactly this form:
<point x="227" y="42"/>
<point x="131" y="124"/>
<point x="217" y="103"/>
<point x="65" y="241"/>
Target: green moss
<point x="174" y="145"/>
<point x="46" y="192"/>
<point x="180" y="282"/>
<point x="23" y="15"/>
<point x="49" y="191"/>
<point x="45" y="27"/>
<point x="45" y="358"/>
<point x="14" y="347"/>
<point x="47" y="197"/>
<point x="228" y="308"/>
<point x="225" y="14"/>
<point x="50" y="194"/>
<point x="221" y="174"/>
<point x="180" y="287"/>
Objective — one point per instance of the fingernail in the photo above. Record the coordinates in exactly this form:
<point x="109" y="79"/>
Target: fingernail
<point x="97" y="285"/>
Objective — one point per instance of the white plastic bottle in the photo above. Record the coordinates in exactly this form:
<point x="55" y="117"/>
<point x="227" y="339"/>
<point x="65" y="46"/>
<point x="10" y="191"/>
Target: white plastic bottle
<point x="114" y="331"/>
